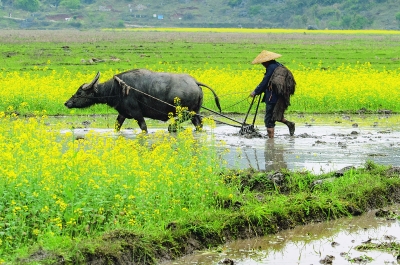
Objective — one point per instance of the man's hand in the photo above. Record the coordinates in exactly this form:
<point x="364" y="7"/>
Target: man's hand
<point x="252" y="94"/>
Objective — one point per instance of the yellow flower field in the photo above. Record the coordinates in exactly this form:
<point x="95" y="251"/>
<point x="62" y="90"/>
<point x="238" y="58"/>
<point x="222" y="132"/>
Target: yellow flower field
<point x="54" y="185"/>
<point x="319" y="90"/>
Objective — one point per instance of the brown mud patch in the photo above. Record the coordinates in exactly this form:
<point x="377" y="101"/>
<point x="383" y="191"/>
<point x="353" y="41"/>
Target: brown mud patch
<point x="75" y="36"/>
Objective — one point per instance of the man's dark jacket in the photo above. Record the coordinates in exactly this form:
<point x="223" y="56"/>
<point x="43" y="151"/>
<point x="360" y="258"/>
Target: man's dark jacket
<point x="270" y="96"/>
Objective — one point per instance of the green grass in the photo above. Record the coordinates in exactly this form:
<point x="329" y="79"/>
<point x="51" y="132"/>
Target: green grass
<point x="191" y="50"/>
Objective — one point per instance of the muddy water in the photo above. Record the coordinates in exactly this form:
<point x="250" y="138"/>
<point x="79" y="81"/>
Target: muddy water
<point x="318" y="148"/>
<point x="310" y="244"/>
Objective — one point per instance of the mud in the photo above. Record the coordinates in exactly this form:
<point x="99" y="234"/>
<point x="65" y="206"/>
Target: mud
<point x="342" y="241"/>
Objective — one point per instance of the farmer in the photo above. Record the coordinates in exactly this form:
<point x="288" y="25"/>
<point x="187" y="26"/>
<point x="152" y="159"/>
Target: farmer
<point x="277" y="85"/>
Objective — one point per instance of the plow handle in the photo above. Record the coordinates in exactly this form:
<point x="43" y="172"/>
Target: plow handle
<point x="251" y="104"/>
<point x="255" y="114"/>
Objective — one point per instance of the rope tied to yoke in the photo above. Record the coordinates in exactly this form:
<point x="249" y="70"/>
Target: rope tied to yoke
<point x="126" y="88"/>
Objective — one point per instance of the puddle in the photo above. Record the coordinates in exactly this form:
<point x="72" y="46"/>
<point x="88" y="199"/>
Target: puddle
<point x="309" y="244"/>
<point x="316" y="147"/>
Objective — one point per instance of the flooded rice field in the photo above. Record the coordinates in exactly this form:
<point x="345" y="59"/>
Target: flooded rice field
<point x="342" y="241"/>
<point x="322" y="143"/>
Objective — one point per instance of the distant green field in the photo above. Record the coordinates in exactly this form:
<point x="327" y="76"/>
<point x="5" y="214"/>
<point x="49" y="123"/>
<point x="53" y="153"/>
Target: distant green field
<point x="122" y="50"/>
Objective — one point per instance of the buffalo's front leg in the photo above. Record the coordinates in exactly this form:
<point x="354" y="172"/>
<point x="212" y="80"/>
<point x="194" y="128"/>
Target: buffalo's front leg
<point x="197" y="122"/>
<point x="118" y="123"/>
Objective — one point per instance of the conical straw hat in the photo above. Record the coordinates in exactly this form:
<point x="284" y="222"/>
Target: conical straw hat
<point x="265" y="56"/>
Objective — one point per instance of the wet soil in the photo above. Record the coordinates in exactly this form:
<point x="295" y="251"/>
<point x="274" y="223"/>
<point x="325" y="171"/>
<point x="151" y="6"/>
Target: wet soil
<point x="356" y="240"/>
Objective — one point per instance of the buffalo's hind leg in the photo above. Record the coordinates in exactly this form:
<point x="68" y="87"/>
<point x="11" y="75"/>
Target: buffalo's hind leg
<point x="197" y="122"/>
<point x="118" y="123"/>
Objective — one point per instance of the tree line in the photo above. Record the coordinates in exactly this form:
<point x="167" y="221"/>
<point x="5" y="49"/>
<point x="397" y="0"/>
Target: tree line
<point x="34" y="5"/>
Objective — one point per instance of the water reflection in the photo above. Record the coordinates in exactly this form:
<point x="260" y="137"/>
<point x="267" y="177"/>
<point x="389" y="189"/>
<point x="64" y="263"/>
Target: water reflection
<point x="318" y="149"/>
<point x="273" y="155"/>
<point x="263" y="154"/>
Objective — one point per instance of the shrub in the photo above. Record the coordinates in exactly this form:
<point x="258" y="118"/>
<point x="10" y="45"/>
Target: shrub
<point x="28" y="5"/>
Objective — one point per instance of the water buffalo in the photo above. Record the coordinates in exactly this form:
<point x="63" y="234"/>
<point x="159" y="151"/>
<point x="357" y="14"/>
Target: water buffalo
<point x="141" y="93"/>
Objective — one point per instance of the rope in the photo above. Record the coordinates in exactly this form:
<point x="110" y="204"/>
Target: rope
<point x="229" y="94"/>
<point x="126" y="88"/>
<point x="237" y="103"/>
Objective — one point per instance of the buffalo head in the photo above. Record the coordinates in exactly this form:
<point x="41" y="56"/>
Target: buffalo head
<point x="85" y="96"/>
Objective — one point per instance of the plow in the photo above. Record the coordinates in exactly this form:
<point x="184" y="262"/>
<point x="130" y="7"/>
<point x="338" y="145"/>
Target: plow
<point x="245" y="128"/>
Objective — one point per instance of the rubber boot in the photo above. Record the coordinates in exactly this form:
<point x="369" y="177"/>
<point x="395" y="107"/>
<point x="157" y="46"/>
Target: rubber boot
<point x="290" y="125"/>
<point x="270" y="132"/>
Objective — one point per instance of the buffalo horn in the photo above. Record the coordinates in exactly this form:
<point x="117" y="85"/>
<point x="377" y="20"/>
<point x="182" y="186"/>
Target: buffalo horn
<point x="94" y="81"/>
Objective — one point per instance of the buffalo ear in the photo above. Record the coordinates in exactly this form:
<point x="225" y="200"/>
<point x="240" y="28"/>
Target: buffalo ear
<point x="93" y="83"/>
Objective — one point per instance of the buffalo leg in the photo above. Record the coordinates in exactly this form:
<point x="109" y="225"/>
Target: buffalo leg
<point x="196" y="120"/>
<point x="142" y="124"/>
<point x="118" y="123"/>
